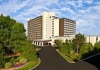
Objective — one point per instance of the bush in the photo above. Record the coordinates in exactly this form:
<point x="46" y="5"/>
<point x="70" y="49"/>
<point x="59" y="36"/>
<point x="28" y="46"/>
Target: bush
<point x="12" y="60"/>
<point x="17" y="59"/>
<point x="8" y="65"/>
<point x="23" y="60"/>
<point x="29" y="52"/>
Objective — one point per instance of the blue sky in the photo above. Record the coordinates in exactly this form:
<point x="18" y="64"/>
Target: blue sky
<point x="85" y="12"/>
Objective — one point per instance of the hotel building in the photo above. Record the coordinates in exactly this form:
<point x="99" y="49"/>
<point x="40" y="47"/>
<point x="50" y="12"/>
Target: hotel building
<point x="47" y="28"/>
<point x="41" y="29"/>
<point x="67" y="27"/>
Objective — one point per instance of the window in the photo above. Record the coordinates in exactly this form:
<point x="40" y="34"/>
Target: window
<point x="96" y="39"/>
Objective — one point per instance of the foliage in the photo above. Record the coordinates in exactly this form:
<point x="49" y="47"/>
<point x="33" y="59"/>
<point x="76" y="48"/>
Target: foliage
<point x="63" y="49"/>
<point x="59" y="43"/>
<point x="2" y="59"/>
<point x="29" y="52"/>
<point x="23" y="60"/>
<point x="79" y="40"/>
<point x="13" y="38"/>
<point x="12" y="60"/>
<point x="75" y="49"/>
<point x="83" y="50"/>
<point x="69" y="45"/>
<point x="90" y="46"/>
<point x="5" y="30"/>
<point x="97" y="45"/>
<point x="8" y="65"/>
<point x="30" y="65"/>
<point x="18" y="36"/>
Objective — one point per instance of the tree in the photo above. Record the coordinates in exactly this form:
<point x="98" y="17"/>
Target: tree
<point x="12" y="37"/>
<point x="18" y="36"/>
<point x="29" y="52"/>
<point x="2" y="59"/>
<point x="69" y="45"/>
<point x="90" y="46"/>
<point x="63" y="48"/>
<point x="83" y="50"/>
<point x="97" y="45"/>
<point x="59" y="43"/>
<point x="5" y="31"/>
<point x="79" y="40"/>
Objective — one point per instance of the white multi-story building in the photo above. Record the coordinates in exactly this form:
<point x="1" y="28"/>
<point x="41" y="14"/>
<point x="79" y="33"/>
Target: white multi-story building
<point x="50" y="25"/>
<point x="43" y="28"/>
<point x="46" y="28"/>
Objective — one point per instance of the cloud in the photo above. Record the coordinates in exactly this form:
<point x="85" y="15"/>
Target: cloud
<point x="12" y="6"/>
<point x="85" y="12"/>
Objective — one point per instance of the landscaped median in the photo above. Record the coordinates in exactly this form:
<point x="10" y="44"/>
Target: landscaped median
<point x="65" y="57"/>
<point x="30" y="65"/>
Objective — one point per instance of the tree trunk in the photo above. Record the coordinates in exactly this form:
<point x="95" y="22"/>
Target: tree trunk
<point x="77" y="49"/>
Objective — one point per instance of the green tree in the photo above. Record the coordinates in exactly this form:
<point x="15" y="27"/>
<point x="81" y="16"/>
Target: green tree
<point x="63" y="48"/>
<point x="2" y="59"/>
<point x="79" y="40"/>
<point x="83" y="50"/>
<point x="29" y="52"/>
<point x="58" y="42"/>
<point x="69" y="45"/>
<point x="12" y="37"/>
<point x="97" y="45"/>
<point x="18" y="36"/>
<point x="5" y="30"/>
<point x="90" y="46"/>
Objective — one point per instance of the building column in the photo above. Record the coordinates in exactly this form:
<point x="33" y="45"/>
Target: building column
<point x="41" y="43"/>
<point x="34" y="43"/>
<point x="37" y="43"/>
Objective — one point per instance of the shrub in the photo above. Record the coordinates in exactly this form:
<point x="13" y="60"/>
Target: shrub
<point x="8" y="65"/>
<point x="29" y="52"/>
<point x="23" y="60"/>
<point x="17" y="59"/>
<point x="12" y="60"/>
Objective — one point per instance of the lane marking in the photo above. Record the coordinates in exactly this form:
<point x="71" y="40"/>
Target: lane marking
<point x="90" y="57"/>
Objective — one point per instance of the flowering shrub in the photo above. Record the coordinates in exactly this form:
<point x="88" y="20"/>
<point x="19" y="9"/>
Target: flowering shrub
<point x="23" y="60"/>
<point x="18" y="65"/>
<point x="8" y="65"/>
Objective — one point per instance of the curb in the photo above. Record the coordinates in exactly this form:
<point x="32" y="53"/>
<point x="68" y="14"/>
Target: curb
<point x="36" y="65"/>
<point x="63" y="57"/>
<point x="90" y="57"/>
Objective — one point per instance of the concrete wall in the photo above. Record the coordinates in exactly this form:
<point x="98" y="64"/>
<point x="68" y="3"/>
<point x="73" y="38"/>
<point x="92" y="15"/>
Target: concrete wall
<point x="61" y="38"/>
<point x="47" y="25"/>
<point x="92" y="39"/>
<point x="56" y="27"/>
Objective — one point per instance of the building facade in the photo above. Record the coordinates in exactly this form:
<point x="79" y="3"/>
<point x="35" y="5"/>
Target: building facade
<point x="67" y="27"/>
<point x="35" y="28"/>
<point x="47" y="28"/>
<point x="92" y="39"/>
<point x="43" y="28"/>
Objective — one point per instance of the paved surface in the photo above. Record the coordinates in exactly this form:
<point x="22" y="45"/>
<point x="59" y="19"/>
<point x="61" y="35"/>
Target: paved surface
<point x="95" y="60"/>
<point x="51" y="60"/>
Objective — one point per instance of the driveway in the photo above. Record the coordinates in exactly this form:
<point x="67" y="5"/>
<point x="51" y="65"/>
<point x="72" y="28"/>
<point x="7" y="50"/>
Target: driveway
<point x="51" y="60"/>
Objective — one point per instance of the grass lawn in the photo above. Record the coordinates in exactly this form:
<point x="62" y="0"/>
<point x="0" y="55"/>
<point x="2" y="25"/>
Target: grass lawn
<point x="30" y="65"/>
<point x="64" y="56"/>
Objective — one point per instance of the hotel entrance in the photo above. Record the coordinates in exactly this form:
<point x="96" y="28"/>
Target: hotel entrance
<point x="42" y="42"/>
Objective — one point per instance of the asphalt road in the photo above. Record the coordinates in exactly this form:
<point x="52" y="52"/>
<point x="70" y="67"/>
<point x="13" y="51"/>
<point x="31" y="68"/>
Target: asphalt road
<point x="51" y="60"/>
<point x="95" y="60"/>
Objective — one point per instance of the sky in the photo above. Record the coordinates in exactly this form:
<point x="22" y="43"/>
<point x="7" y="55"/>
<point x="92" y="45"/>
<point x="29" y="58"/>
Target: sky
<point x="86" y="13"/>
